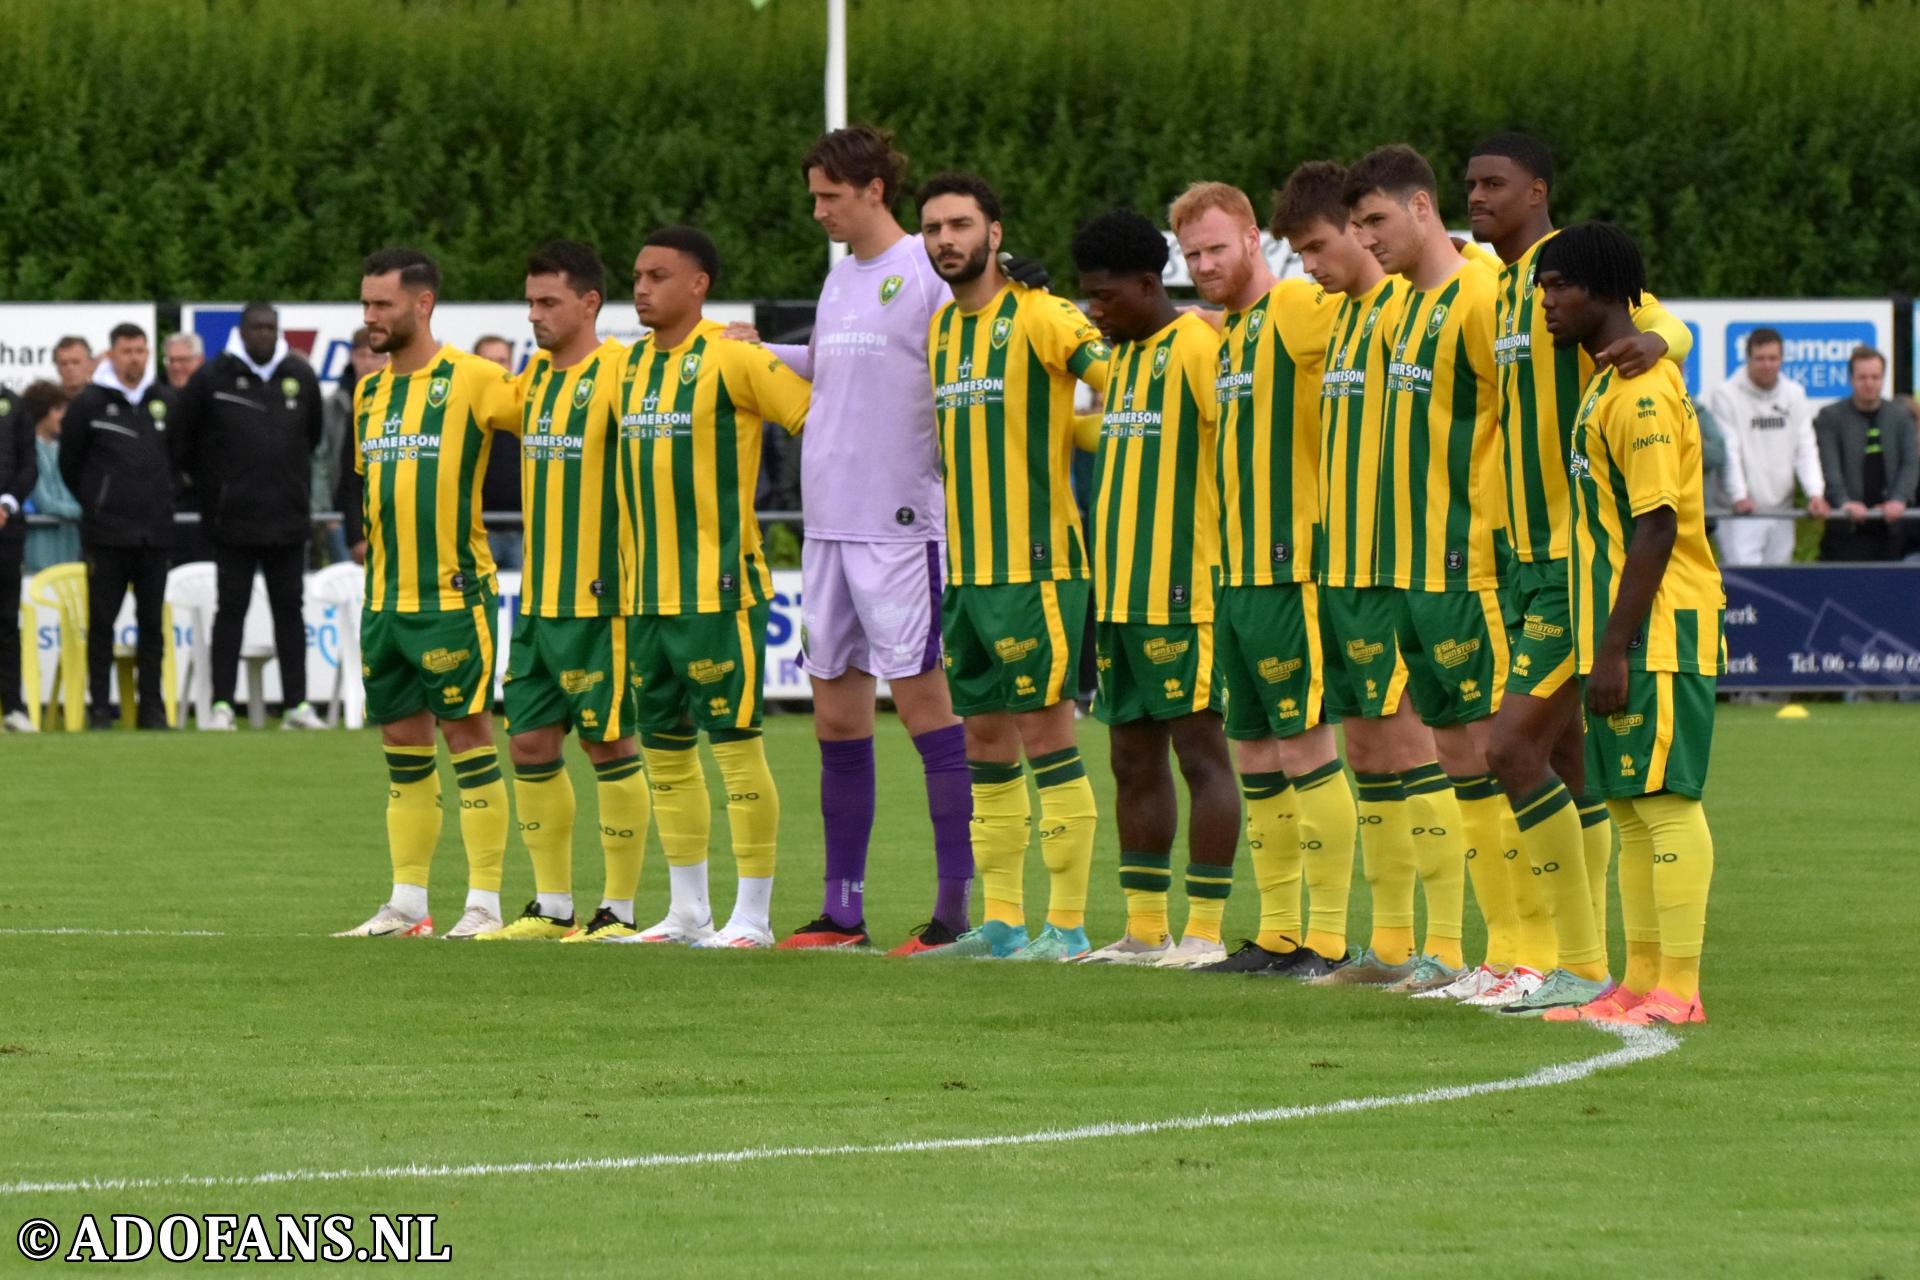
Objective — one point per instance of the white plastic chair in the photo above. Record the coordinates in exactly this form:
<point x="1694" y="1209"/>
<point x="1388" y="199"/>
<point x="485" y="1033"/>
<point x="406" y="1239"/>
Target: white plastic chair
<point x="256" y="651"/>
<point x="193" y="592"/>
<point x="339" y="587"/>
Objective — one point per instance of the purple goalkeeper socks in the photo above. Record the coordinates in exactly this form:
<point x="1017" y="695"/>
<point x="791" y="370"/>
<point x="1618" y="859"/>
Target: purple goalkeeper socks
<point x="846" y="810"/>
<point x="950" y="804"/>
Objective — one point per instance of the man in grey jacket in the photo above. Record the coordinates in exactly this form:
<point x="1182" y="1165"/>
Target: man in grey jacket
<point x="1871" y="462"/>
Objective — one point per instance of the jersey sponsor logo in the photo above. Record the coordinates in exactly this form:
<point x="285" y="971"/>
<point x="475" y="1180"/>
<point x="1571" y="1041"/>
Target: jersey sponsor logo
<point x="890" y="288"/>
<point x="904" y="516"/>
<point x="1403" y="375"/>
<point x="579" y="680"/>
<point x="1625" y="722"/>
<point x="440" y="661"/>
<point x="1538" y="628"/>
<point x="1230" y="384"/>
<point x="707" y="671"/>
<point x="1007" y="649"/>
<point x="690" y="367"/>
<point x="1515" y="348"/>
<point x="1161" y="650"/>
<point x="582" y="392"/>
<point x="1002" y="330"/>
<point x="1577" y="466"/>
<point x="1452" y="653"/>
<point x="1364" y="651"/>
<point x="1650" y="439"/>
<point x="1274" y="670"/>
<point x="1160" y="359"/>
<point x="1438" y="318"/>
<point x="1455" y="560"/>
<point x="437" y="392"/>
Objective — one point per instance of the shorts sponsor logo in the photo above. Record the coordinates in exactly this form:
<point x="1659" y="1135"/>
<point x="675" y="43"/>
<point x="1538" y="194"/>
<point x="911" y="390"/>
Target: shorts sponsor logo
<point x="1625" y="722"/>
<point x="1538" y="628"/>
<point x="1470" y="690"/>
<point x="588" y="718"/>
<point x="437" y="392"/>
<point x="441" y="661"/>
<point x="1172" y="685"/>
<point x="1161" y="650"/>
<point x="718" y="706"/>
<point x="451" y="695"/>
<point x="1274" y="670"/>
<point x="1101" y="662"/>
<point x="707" y="671"/>
<point x="1626" y="767"/>
<point x="1452" y="653"/>
<point x="1362" y="652"/>
<point x="1007" y="649"/>
<point x="1523" y="664"/>
<point x="578" y="681"/>
<point x="1288" y="708"/>
<point x="1373" y="689"/>
<point x="1023" y="687"/>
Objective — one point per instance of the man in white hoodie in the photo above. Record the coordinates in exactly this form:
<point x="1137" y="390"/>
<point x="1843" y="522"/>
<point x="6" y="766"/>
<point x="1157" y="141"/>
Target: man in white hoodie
<point x="1768" y="426"/>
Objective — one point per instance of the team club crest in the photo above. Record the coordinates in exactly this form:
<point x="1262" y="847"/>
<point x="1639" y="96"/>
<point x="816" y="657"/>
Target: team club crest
<point x="1438" y="318"/>
<point x="1002" y="330"/>
<point x="437" y="392"/>
<point x="890" y="288"/>
<point x="583" y="393"/>
<point x="690" y="367"/>
<point x="1160" y="360"/>
<point x="1255" y="323"/>
<point x="289" y="387"/>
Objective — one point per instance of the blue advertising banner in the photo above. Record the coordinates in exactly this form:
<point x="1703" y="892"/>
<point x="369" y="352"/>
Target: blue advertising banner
<point x="1823" y="627"/>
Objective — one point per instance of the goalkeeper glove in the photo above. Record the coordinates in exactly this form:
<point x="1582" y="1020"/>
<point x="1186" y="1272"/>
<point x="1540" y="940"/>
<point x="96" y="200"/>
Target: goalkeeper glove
<point x="1030" y="272"/>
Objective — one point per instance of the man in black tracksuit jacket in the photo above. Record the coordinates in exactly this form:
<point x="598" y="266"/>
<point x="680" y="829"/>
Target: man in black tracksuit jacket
<point x="249" y="423"/>
<point x="19" y="472"/>
<point x="116" y="454"/>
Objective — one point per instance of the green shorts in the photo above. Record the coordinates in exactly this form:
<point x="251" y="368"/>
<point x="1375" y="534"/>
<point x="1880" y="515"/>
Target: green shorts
<point x="1150" y="671"/>
<point x="702" y="669"/>
<point x="1268" y="644"/>
<point x="438" y="662"/>
<point x="571" y="672"/>
<point x="1455" y="647"/>
<point x="1360" y="644"/>
<point x="1660" y="741"/>
<point x="1014" y="646"/>
<point x="1542" y="628"/>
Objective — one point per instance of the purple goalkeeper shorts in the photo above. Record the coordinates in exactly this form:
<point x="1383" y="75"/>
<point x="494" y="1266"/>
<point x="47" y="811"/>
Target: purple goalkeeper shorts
<point x="870" y="606"/>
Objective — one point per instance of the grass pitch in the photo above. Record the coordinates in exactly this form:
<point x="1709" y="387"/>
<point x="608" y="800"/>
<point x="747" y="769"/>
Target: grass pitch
<point x="1777" y="1140"/>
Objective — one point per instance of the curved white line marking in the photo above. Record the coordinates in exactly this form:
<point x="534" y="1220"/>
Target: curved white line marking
<point x="1638" y="1044"/>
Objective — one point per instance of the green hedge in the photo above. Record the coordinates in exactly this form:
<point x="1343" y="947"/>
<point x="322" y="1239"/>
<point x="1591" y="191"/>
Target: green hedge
<point x="191" y="148"/>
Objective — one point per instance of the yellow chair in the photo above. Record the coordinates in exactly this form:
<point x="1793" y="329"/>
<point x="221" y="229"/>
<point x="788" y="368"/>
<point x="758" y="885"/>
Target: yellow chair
<point x="63" y="588"/>
<point x="30" y="660"/>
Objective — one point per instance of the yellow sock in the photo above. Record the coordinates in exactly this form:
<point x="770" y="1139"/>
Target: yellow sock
<point x="1440" y="850"/>
<point x="681" y="808"/>
<point x="1207" y="890"/>
<point x="483" y="816"/>
<point x="1479" y="802"/>
<point x="1324" y="802"/>
<point x="1145" y="878"/>
<point x="1002" y="817"/>
<point x="1596" y="845"/>
<point x="1682" y="874"/>
<point x="626" y="806"/>
<point x="543" y="804"/>
<point x="1550" y="835"/>
<point x="1273" y="838"/>
<point x="413" y="812"/>
<point x="1389" y="863"/>
<point x="1535" y="944"/>
<point x="753" y="802"/>
<point x="1068" y="817"/>
<point x="1639" y="919"/>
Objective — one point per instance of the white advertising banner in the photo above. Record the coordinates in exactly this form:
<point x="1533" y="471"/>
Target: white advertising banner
<point x="323" y="331"/>
<point x="29" y="330"/>
<point x="1817" y="337"/>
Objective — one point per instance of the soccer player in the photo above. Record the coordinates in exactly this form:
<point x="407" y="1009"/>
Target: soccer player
<point x="1156" y="548"/>
<point x="1004" y="362"/>
<point x="1648" y="612"/>
<point x="692" y="405"/>
<point x="1537" y="748"/>
<point x="423" y="427"/>
<point x="1365" y="678"/>
<point x="1439" y="540"/>
<point x="1300" y="813"/>
<point x="567" y="666"/>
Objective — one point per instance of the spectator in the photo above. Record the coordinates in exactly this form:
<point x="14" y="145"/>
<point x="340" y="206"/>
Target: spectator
<point x="74" y="361"/>
<point x="1713" y="456"/>
<point x="249" y="424"/>
<point x="118" y="458"/>
<point x="1869" y="458"/>
<point x="19" y="466"/>
<point x="182" y="354"/>
<point x="500" y="491"/>
<point x="45" y="406"/>
<point x="1768" y="427"/>
<point x="333" y="455"/>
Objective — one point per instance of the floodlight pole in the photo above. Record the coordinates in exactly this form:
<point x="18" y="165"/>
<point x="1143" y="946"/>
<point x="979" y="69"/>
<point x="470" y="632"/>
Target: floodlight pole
<point x="836" y="92"/>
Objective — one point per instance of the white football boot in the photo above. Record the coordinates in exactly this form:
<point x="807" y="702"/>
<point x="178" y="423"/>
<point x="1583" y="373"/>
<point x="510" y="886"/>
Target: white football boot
<point x="475" y="920"/>
<point x="389" y="923"/>
<point x="1191" y="953"/>
<point x="672" y="929"/>
<point x="1129" y="950"/>
<point x="737" y="935"/>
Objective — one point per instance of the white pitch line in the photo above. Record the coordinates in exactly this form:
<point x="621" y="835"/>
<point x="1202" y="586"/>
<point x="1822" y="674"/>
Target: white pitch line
<point x="118" y="933"/>
<point x="1638" y="1044"/>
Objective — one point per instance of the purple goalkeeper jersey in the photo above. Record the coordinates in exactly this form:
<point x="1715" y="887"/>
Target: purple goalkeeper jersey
<point x="870" y="460"/>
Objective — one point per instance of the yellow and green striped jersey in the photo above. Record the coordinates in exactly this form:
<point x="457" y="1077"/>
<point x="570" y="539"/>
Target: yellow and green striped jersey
<point x="1636" y="447"/>
<point x="690" y="420"/>
<point x="1271" y="356"/>
<point x="1353" y="397"/>
<point x="1442" y="513"/>
<point x="1538" y="400"/>
<point x="422" y="444"/>
<point x="1156" y="513"/>
<point x="1003" y="382"/>
<point x="569" y="478"/>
